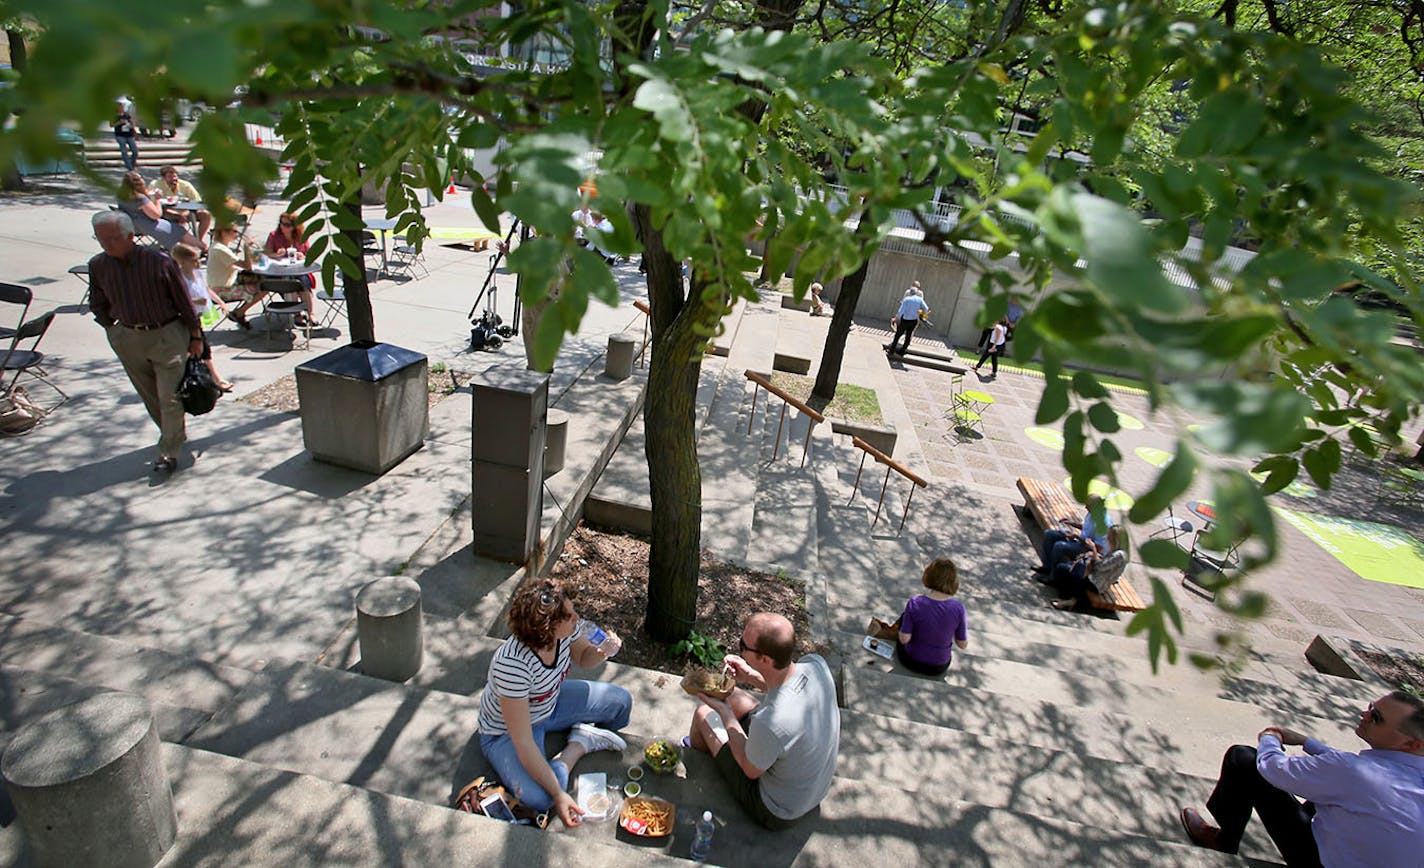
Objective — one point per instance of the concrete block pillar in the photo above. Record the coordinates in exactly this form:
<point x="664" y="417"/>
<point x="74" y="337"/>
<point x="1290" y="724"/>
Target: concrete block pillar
<point x="89" y="787"/>
<point x="389" y="626"/>
<point x="621" y="349"/>
<point x="556" y="435"/>
<point x="507" y="454"/>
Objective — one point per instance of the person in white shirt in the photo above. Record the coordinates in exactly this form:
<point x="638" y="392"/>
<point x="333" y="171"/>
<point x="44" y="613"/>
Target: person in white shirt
<point x="995" y="347"/>
<point x="583" y="219"/>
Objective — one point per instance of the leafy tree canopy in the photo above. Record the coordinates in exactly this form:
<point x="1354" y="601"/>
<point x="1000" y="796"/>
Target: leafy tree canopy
<point x="1224" y="131"/>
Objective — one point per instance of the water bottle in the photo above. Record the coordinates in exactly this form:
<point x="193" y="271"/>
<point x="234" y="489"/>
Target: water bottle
<point x="702" y="841"/>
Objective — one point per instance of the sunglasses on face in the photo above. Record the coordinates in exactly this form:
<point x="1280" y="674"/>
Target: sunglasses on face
<point x="1375" y="717"/>
<point x="288" y="223"/>
<point x="743" y="647"/>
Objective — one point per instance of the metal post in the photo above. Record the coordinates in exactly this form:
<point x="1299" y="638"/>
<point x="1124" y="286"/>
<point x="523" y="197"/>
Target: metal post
<point x="776" y="450"/>
<point x="882" y="496"/>
<point x="856" y="488"/>
<point x="906" y="514"/>
<point x="642" y="354"/>
<point x="806" y="444"/>
<point x="756" y="393"/>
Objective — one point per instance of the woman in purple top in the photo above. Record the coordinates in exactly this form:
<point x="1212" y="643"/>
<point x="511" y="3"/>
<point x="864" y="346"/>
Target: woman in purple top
<point x="933" y="623"/>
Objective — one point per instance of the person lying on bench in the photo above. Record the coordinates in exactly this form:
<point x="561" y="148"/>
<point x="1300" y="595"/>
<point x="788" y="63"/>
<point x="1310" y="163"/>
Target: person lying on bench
<point x="1062" y="544"/>
<point x="1364" y="808"/>
<point x="932" y="624"/>
<point x="1093" y="570"/>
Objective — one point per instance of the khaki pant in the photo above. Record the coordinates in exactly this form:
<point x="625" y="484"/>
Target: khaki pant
<point x="154" y="362"/>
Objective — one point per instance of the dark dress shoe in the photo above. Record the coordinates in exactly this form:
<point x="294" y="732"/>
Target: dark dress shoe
<point x="1199" y="831"/>
<point x="1040" y="569"/>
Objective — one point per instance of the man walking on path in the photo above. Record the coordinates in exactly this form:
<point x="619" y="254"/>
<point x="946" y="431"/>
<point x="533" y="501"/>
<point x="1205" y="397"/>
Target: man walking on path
<point x="779" y="755"/>
<point x="124" y="134"/>
<point x="912" y="307"/>
<point x="137" y="295"/>
<point x="1363" y="809"/>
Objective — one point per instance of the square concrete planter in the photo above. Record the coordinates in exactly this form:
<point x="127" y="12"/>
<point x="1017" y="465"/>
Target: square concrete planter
<point x="364" y="406"/>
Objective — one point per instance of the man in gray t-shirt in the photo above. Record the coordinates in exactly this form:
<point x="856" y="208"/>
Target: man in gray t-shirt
<point x="777" y="755"/>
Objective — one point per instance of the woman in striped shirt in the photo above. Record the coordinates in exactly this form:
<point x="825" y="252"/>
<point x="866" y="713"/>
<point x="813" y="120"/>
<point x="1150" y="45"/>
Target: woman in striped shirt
<point x="527" y="696"/>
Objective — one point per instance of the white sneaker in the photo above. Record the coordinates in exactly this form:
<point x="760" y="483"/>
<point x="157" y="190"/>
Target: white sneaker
<point x="592" y="738"/>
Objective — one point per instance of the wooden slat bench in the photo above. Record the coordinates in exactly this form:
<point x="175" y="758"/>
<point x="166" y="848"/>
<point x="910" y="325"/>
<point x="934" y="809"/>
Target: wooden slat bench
<point x="1050" y="504"/>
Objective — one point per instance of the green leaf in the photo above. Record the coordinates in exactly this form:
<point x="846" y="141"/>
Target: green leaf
<point x="1163" y="554"/>
<point x="1087" y="385"/>
<point x="1121" y="260"/>
<point x="1171" y="483"/>
<point x="1054" y="402"/>
<point x="663" y="101"/>
<point x="1104" y="418"/>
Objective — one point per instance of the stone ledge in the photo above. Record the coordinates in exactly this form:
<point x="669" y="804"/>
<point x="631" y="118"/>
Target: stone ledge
<point x="791" y="363"/>
<point x="882" y="437"/>
<point x="1336" y="655"/>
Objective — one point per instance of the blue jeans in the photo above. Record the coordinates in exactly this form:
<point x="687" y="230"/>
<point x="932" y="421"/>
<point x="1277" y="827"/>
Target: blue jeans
<point x="605" y="705"/>
<point x="1060" y="547"/>
<point x="128" y="150"/>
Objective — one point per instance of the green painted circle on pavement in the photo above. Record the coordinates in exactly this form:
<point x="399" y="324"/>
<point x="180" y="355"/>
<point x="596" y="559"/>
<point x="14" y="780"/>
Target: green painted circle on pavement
<point x="1298" y="487"/>
<point x="1113" y="498"/>
<point x="1152" y="455"/>
<point x="1129" y="423"/>
<point x="1045" y="437"/>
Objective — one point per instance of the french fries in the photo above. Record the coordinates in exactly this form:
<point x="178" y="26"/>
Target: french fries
<point x="653" y="817"/>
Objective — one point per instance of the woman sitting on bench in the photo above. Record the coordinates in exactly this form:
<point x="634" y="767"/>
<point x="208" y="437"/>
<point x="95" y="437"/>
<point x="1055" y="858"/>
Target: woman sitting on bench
<point x="1072" y="580"/>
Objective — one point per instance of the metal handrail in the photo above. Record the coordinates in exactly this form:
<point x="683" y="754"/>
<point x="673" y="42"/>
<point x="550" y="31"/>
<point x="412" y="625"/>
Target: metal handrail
<point x="890" y="464"/>
<point x="764" y="383"/>
<point x="647" y="315"/>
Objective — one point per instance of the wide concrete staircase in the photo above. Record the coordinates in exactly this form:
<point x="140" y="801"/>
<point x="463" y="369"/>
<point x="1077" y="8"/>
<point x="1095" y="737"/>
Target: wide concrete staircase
<point x="1050" y="742"/>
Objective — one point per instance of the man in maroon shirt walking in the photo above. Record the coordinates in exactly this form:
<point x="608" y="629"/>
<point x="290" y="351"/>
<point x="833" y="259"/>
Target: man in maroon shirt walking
<point x="137" y="295"/>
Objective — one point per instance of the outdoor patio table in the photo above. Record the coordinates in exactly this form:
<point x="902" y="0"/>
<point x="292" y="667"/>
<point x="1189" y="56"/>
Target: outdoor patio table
<point x="192" y="208"/>
<point x="383" y="225"/>
<point x="976" y="397"/>
<point x="1206" y="511"/>
<point x="284" y="268"/>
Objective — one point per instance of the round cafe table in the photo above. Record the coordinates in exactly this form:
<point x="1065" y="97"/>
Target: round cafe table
<point x="982" y="399"/>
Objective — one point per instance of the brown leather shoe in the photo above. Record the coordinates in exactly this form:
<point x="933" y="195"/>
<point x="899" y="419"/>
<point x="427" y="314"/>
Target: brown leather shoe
<point x="1199" y="831"/>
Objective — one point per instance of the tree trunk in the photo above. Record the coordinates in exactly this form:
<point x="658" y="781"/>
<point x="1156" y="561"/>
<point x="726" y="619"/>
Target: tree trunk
<point x="360" y="320"/>
<point x="10" y="177"/>
<point x="669" y="420"/>
<point x="829" y="374"/>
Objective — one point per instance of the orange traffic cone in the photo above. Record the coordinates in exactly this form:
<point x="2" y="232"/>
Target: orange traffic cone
<point x="452" y="185"/>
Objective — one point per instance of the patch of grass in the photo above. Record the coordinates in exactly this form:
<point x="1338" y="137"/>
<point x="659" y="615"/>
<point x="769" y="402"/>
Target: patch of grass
<point x="852" y="403"/>
<point x="1111" y="381"/>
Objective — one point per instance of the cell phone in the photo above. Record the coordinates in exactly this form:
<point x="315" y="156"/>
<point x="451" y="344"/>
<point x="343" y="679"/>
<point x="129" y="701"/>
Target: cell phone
<point x="496" y="808"/>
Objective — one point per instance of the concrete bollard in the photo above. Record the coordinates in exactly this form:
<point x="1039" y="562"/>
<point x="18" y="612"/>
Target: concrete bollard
<point x="621" y="349"/>
<point x="556" y="435"/>
<point x="89" y="787"/>
<point x="389" y="626"/>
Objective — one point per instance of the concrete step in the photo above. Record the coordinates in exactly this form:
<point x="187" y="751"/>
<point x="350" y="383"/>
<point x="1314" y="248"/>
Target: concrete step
<point x="721" y="345"/>
<point x="47" y="667"/>
<point x="233" y="812"/>
<point x="620" y="497"/>
<point x="999" y="771"/>
<point x="348" y="728"/>
<point x="867" y="823"/>
<point x="1161" y="729"/>
<point x="29" y="694"/>
<point x="1284" y="691"/>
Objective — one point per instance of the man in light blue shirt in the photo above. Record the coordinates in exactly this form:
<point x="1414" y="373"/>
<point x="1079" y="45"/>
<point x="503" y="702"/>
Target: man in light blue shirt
<point x="912" y="307"/>
<point x="1363" y="809"/>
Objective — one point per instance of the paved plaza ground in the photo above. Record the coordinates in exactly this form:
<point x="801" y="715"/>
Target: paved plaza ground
<point x="224" y="594"/>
